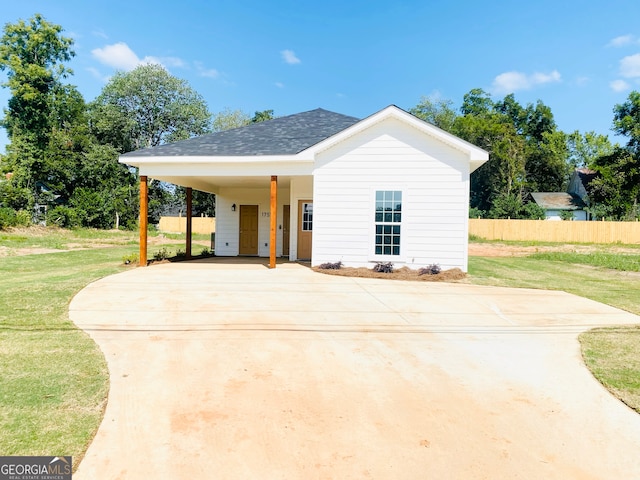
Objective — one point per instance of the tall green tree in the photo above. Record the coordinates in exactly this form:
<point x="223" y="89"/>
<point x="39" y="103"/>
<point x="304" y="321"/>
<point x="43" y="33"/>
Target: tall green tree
<point x="33" y="55"/>
<point x="228" y="119"/>
<point x="438" y="112"/>
<point x="147" y="107"/>
<point x="615" y="193"/>
<point x="585" y="148"/>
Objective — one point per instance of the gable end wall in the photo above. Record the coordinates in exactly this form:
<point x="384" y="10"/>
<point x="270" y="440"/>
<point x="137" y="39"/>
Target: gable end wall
<point x="391" y="155"/>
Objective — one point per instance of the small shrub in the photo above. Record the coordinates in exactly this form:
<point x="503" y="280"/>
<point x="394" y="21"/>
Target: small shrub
<point x="330" y="266"/>
<point x="23" y="218"/>
<point x="64" y="217"/>
<point x="432" y="269"/>
<point x="566" y="215"/>
<point x="129" y="259"/>
<point x="205" y="252"/>
<point x="7" y="218"/>
<point x="383" y="267"/>
<point x="181" y="253"/>
<point x="161" y="254"/>
<point x="476" y="213"/>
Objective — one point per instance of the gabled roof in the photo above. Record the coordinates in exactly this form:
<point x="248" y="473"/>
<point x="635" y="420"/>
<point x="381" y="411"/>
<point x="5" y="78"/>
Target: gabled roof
<point x="476" y="155"/>
<point x="586" y="176"/>
<point x="281" y="136"/>
<point x="558" y="200"/>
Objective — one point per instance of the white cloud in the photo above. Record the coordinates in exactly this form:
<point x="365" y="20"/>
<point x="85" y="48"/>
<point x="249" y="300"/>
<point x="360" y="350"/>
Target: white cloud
<point x="619" y="86"/>
<point x="121" y="57"/>
<point x="622" y="40"/>
<point x="510" y="82"/>
<point x="289" y="57"/>
<point x="206" y="72"/>
<point x="118" y="56"/>
<point x="99" y="33"/>
<point x="279" y="84"/>
<point x="630" y="66"/>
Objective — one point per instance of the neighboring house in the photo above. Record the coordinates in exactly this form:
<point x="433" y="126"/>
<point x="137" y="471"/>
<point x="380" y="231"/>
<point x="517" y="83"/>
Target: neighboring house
<point x="556" y="202"/>
<point x="575" y="199"/>
<point x="580" y="182"/>
<point x="326" y="187"/>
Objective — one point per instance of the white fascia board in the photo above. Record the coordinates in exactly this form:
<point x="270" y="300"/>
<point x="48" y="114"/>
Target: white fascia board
<point x="138" y="161"/>
<point x="477" y="156"/>
<point x="228" y="169"/>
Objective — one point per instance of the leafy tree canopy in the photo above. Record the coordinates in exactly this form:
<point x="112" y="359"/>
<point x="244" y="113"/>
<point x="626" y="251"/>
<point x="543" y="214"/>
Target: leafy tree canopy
<point x="147" y="107"/>
<point x="33" y="55"/>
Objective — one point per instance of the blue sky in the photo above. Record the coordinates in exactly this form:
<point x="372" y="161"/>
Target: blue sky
<point x="355" y="57"/>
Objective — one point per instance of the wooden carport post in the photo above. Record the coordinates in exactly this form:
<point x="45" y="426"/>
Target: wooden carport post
<point x="189" y="223"/>
<point x="273" y="215"/>
<point x="144" y="219"/>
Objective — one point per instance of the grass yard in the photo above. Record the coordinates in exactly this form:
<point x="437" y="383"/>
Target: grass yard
<point x="54" y="380"/>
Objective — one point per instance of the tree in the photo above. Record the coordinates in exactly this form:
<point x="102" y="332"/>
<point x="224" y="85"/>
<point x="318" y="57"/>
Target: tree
<point x="626" y="120"/>
<point x="33" y="55"/>
<point x="228" y="119"/>
<point x="262" y="116"/>
<point x="476" y="102"/>
<point x="585" y="148"/>
<point x="147" y="107"/>
<point x="439" y="112"/>
<point x="615" y="193"/>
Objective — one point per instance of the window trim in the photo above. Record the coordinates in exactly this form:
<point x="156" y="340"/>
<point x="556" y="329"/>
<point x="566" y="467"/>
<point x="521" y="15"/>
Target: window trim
<point x="373" y="257"/>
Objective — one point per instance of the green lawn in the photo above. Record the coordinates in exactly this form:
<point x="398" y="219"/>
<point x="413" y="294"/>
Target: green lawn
<point x="54" y="380"/>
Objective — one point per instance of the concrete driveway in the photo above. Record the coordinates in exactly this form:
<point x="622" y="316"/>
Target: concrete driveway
<point x="234" y="371"/>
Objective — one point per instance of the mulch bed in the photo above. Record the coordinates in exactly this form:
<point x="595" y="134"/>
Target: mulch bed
<point x="404" y="273"/>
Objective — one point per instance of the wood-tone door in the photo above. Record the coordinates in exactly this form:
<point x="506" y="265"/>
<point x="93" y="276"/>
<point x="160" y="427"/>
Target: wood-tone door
<point x="305" y="229"/>
<point x="286" y="220"/>
<point x="248" y="230"/>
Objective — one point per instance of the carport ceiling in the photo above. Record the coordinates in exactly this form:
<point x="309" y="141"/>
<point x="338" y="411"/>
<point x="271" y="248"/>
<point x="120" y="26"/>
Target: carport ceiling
<point x="213" y="184"/>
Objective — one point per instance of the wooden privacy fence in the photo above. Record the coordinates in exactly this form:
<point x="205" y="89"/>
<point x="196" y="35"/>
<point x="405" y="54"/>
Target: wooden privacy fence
<point x="555" y="231"/>
<point x="179" y="224"/>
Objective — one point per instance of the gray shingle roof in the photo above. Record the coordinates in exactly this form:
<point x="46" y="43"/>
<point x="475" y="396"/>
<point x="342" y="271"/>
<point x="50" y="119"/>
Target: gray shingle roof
<point x="558" y="200"/>
<point x="281" y="136"/>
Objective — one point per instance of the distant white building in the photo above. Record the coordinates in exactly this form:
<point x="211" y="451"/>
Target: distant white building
<point x="556" y="202"/>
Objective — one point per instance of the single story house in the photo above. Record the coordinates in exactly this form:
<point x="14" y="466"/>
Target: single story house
<point x="556" y="202"/>
<point x="326" y="187"/>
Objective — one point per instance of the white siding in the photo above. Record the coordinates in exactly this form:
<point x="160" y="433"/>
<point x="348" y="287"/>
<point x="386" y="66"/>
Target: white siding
<point x="391" y="155"/>
<point x="228" y="222"/>
<point x="555" y="215"/>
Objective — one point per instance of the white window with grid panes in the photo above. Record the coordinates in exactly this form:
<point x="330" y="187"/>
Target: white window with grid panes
<point x="388" y="220"/>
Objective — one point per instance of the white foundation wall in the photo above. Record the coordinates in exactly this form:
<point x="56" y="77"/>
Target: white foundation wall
<point x="434" y="180"/>
<point x="227" y="243"/>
